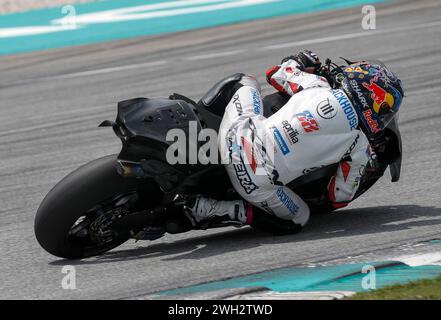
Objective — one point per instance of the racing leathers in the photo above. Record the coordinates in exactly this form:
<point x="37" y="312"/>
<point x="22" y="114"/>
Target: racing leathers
<point x="317" y="127"/>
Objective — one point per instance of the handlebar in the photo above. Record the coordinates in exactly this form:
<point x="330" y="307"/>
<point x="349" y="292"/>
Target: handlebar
<point x="330" y="70"/>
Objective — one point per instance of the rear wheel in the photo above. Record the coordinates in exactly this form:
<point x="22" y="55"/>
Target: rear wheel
<point x="74" y="220"/>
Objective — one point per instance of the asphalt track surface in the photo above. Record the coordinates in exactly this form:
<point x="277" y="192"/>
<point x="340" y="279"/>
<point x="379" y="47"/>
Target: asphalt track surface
<point x="51" y="103"/>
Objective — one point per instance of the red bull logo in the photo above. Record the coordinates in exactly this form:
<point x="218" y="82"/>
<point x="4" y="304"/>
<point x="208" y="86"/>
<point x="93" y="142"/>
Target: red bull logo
<point x="373" y="124"/>
<point x="382" y="99"/>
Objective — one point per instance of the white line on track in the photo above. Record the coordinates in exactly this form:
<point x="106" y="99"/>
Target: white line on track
<point x="90" y="72"/>
<point x="351" y="36"/>
<point x="319" y="40"/>
<point x="46" y="126"/>
<point x="215" y="55"/>
<point x="335" y="231"/>
<point x="109" y="70"/>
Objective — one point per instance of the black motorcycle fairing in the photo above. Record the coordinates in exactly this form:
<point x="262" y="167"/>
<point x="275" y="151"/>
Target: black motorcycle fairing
<point x="395" y="149"/>
<point x="142" y="125"/>
<point x="208" y="118"/>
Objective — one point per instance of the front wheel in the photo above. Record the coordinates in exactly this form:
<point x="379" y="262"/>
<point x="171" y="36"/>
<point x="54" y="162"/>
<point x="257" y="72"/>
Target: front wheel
<point x="73" y="219"/>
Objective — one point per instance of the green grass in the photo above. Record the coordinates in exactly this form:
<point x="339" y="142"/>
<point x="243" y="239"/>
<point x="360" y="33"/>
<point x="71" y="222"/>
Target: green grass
<point x="418" y="290"/>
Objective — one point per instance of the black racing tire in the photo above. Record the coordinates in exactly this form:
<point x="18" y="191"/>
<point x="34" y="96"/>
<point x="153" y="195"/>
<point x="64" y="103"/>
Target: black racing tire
<point x="73" y="196"/>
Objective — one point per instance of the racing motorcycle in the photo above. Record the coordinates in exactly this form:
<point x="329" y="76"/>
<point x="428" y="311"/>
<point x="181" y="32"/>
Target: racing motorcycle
<point x="137" y="194"/>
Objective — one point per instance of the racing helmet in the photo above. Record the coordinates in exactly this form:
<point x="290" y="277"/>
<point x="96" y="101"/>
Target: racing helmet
<point x="375" y="92"/>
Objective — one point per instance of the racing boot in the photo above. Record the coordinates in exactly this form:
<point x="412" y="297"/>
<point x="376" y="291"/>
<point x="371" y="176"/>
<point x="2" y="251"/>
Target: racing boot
<point x="204" y="212"/>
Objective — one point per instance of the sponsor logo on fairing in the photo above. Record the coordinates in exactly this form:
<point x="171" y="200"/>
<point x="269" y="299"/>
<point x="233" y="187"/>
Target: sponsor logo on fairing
<point x="326" y="110"/>
<point x="382" y="99"/>
<point x="308" y="121"/>
<point x="357" y="69"/>
<point x="280" y="142"/>
<point x="256" y="102"/>
<point x="290" y="132"/>
<point x="360" y="95"/>
<point x="347" y="107"/>
<point x="373" y="124"/>
<point x="287" y="201"/>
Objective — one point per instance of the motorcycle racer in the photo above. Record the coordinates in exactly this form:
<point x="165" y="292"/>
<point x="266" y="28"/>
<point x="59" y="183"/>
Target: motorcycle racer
<point x="318" y="126"/>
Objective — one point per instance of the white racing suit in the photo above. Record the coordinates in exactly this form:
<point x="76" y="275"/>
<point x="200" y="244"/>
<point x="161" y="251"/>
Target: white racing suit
<point x="318" y="126"/>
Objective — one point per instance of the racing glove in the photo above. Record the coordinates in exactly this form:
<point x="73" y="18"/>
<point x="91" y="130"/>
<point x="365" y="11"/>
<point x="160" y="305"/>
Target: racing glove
<point x="308" y="61"/>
